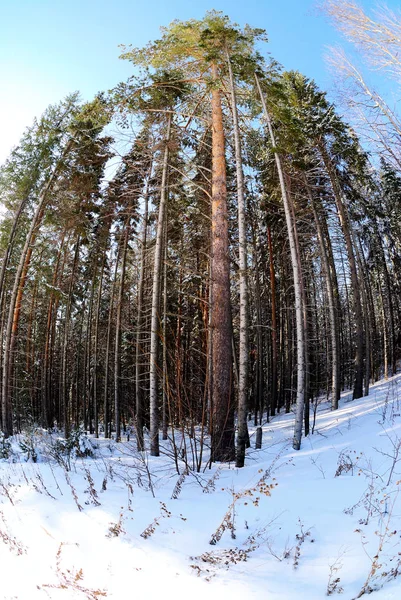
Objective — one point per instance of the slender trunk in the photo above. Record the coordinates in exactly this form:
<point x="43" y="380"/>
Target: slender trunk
<point x="274" y="402"/>
<point x="139" y="352"/>
<point x="47" y="415"/>
<point x="346" y="228"/>
<point x="88" y="422"/>
<point x="55" y="349"/>
<point x="336" y="293"/>
<point x="382" y="266"/>
<point x="348" y="314"/>
<point x="304" y="316"/>
<point x="373" y="338"/>
<point x="297" y="275"/>
<point x="242" y="434"/>
<point x="29" y="352"/>
<point x="178" y="354"/>
<point x="209" y="367"/>
<point x="365" y="306"/>
<point x="106" y="404"/>
<point x="165" y="373"/>
<point x="259" y="375"/>
<point x="384" y="329"/>
<point x="154" y="332"/>
<point x="77" y="385"/>
<point x="334" y="330"/>
<point x="64" y="378"/>
<point x="117" y="347"/>
<point x="96" y="349"/>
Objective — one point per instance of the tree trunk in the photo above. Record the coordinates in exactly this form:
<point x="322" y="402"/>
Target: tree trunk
<point x="64" y="377"/>
<point x="274" y="399"/>
<point x="96" y="349"/>
<point x="382" y="266"/>
<point x="139" y="352"/>
<point x="166" y="396"/>
<point x="242" y="435"/>
<point x="87" y="383"/>
<point x="106" y="404"/>
<point x="223" y="435"/>
<point x="47" y="415"/>
<point x="334" y="330"/>
<point x="155" y="329"/>
<point x="346" y="228"/>
<point x="117" y="347"/>
<point x="297" y="275"/>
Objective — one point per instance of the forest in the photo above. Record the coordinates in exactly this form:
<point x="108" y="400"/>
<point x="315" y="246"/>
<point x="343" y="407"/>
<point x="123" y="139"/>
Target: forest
<point x="205" y="246"/>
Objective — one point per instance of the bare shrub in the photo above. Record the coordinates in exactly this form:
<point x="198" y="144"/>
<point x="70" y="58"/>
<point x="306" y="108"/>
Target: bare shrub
<point x="71" y="579"/>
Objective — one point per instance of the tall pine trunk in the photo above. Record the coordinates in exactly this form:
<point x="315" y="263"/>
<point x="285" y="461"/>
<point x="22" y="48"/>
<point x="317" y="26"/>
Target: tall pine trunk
<point x="222" y="425"/>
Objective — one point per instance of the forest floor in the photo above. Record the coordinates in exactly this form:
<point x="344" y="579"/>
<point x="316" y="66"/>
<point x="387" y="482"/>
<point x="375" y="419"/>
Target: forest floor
<point x="322" y="521"/>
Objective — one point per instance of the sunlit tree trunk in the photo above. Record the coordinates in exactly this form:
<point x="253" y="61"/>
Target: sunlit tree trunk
<point x="223" y="448"/>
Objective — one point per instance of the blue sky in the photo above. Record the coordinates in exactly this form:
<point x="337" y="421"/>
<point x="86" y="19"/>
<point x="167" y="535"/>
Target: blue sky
<point x="49" y="48"/>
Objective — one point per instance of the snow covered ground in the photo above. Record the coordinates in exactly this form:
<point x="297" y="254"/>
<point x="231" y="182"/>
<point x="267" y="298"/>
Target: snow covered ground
<point x="290" y="525"/>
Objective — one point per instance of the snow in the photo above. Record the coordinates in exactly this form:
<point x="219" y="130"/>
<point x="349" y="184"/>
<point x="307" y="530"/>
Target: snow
<point x="293" y="522"/>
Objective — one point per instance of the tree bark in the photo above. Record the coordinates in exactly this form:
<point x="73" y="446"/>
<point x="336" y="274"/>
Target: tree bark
<point x="223" y="436"/>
